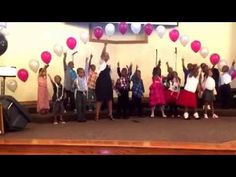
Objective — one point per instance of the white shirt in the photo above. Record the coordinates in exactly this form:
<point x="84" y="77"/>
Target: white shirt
<point x="191" y="84"/>
<point x="102" y="66"/>
<point x="225" y="79"/>
<point x="209" y="83"/>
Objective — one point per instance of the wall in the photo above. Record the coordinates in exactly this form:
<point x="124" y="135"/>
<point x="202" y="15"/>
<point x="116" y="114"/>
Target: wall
<point x="28" y="40"/>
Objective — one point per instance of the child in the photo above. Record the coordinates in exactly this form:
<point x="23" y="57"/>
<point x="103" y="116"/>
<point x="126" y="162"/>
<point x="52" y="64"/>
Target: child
<point x="186" y="70"/>
<point x="70" y="76"/>
<point x="187" y="96"/>
<point x="172" y="93"/>
<point x="122" y="87"/>
<point x="156" y="94"/>
<point x="209" y="94"/>
<point x="43" y="97"/>
<point x="57" y="98"/>
<point x="92" y="77"/>
<point x="225" y="88"/>
<point x="81" y="88"/>
<point x="137" y="91"/>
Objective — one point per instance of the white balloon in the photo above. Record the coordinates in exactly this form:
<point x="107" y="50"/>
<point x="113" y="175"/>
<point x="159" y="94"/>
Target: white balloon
<point x="58" y="49"/>
<point x="84" y="37"/>
<point x="160" y="31"/>
<point x="12" y="85"/>
<point x="109" y="29"/>
<point x="136" y="27"/>
<point x="34" y="65"/>
<point x="204" y="52"/>
<point x="184" y="40"/>
<point x="5" y="31"/>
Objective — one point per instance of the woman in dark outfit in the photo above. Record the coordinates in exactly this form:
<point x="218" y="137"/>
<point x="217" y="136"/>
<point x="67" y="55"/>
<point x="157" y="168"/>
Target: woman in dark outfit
<point x="104" y="90"/>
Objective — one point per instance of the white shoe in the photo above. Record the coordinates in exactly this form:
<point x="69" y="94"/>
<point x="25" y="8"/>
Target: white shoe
<point x="186" y="115"/>
<point x="173" y="116"/>
<point x="208" y="107"/>
<point x="215" y="116"/>
<point x="205" y="116"/>
<point x="64" y="111"/>
<point x="195" y="115"/>
<point x="163" y="115"/>
<point x="152" y="116"/>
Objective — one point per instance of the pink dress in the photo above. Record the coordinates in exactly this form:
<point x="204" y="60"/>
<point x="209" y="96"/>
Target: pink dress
<point x="43" y="97"/>
<point x="157" y="92"/>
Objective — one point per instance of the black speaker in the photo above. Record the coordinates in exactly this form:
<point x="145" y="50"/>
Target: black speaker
<point x="15" y="115"/>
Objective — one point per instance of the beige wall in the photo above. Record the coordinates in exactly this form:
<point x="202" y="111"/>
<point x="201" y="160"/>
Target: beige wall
<point x="28" y="40"/>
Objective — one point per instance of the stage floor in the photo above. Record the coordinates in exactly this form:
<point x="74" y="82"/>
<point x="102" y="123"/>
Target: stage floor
<point x="134" y="129"/>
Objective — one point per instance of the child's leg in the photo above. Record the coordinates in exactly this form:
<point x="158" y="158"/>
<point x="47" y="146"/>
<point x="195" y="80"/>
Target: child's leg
<point x="61" y="119"/>
<point x="186" y="115"/>
<point x="98" y="108"/>
<point x="125" y="103"/>
<point x="119" y="105"/>
<point x="205" y="109"/>
<point x="153" y="111"/>
<point x="83" y="107"/>
<point x="110" y="109"/>
<point x="162" y="111"/>
<point x="55" y="119"/>
<point x="139" y="106"/>
<point x="213" y="111"/>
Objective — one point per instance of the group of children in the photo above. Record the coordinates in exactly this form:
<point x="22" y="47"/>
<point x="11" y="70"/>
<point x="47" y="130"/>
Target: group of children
<point x="83" y="88"/>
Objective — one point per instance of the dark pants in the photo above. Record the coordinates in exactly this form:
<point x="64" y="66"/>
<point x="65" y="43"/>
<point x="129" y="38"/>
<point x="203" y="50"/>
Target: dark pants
<point x="225" y="96"/>
<point x="91" y="98"/>
<point x="69" y="101"/>
<point x="123" y="103"/>
<point x="137" y="105"/>
<point x="173" y="109"/>
<point x="80" y="105"/>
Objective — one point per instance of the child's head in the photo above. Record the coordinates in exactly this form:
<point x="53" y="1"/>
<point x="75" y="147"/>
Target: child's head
<point x="93" y="67"/>
<point x="175" y="74"/>
<point x="138" y="74"/>
<point x="209" y="72"/>
<point x="80" y="72"/>
<point x="57" y="79"/>
<point x="170" y="70"/>
<point x="189" y="66"/>
<point x="71" y="64"/>
<point x="157" y="71"/>
<point x="204" y="67"/>
<point x="124" y="72"/>
<point x="106" y="56"/>
<point x="42" y="72"/>
<point x="225" y="69"/>
<point x="195" y="71"/>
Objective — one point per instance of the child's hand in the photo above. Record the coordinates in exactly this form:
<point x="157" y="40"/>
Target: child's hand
<point x="167" y="63"/>
<point x="65" y="54"/>
<point x="105" y="44"/>
<point x="91" y="56"/>
<point x="136" y="67"/>
<point x="118" y="64"/>
<point x="182" y="59"/>
<point x="86" y="59"/>
<point x="233" y="63"/>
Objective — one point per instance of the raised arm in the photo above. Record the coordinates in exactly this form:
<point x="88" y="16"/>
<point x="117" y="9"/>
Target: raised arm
<point x="168" y="67"/>
<point x="130" y="69"/>
<point x="90" y="61"/>
<point x="183" y="66"/>
<point x="64" y="61"/>
<point x="50" y="79"/>
<point x="118" y="69"/>
<point x="159" y="64"/>
<point x="86" y="68"/>
<point x="104" y="50"/>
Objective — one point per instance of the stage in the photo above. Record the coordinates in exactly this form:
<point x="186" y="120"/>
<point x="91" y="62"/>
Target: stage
<point x="131" y="136"/>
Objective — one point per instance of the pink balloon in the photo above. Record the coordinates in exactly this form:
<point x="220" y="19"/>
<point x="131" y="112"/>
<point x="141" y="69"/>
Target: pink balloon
<point x="148" y="28"/>
<point x="98" y="32"/>
<point x="71" y="43"/>
<point x="123" y="27"/>
<point x="196" y="46"/>
<point x="174" y="35"/>
<point x="46" y="57"/>
<point x="214" y="58"/>
<point x="233" y="75"/>
<point x="23" y="74"/>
